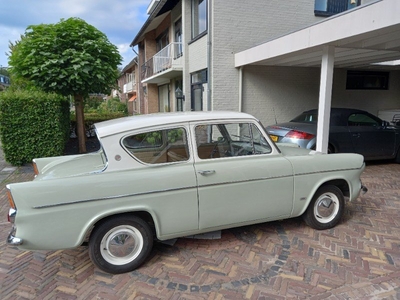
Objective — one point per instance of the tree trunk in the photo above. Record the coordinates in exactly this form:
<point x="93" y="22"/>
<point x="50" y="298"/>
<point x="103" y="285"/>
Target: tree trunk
<point x="80" y="123"/>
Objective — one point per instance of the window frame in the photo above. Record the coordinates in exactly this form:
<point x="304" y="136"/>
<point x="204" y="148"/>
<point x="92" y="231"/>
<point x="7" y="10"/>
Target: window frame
<point x="362" y="80"/>
<point x="196" y="30"/>
<point x="330" y="3"/>
<point x="164" y="146"/>
<point x="214" y="145"/>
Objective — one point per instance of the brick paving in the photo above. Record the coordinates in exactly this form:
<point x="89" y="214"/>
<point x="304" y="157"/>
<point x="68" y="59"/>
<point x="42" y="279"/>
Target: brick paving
<point x="358" y="259"/>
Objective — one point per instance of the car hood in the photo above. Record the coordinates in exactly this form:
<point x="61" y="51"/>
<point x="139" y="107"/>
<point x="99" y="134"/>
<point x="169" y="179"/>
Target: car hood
<point x="305" y="127"/>
<point x="67" y="166"/>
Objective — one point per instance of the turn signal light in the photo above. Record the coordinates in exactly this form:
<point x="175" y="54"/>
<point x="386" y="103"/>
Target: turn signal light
<point x="35" y="169"/>
<point x="10" y="199"/>
<point x="295" y="134"/>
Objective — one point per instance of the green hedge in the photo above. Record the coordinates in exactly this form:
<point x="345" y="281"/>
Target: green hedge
<point x="99" y="117"/>
<point x="33" y="124"/>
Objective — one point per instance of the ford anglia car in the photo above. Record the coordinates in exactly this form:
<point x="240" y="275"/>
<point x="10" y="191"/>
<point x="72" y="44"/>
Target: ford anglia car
<point x="171" y="175"/>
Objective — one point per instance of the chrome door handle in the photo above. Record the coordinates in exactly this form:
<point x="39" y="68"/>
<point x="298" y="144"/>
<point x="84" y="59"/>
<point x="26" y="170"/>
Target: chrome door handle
<point x="207" y="172"/>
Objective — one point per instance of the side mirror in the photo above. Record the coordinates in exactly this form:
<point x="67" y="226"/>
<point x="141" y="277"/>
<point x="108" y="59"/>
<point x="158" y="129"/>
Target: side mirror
<point x="385" y="124"/>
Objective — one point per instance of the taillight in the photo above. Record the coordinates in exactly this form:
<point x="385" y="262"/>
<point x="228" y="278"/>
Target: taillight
<point x="295" y="134"/>
<point x="10" y="199"/>
<point x="35" y="168"/>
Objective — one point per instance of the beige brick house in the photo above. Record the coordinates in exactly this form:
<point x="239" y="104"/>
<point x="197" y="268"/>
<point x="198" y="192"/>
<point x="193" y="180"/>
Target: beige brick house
<point x="210" y="50"/>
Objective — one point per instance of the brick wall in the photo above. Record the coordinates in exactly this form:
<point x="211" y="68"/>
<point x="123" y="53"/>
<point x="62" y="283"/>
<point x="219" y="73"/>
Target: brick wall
<point x="238" y="27"/>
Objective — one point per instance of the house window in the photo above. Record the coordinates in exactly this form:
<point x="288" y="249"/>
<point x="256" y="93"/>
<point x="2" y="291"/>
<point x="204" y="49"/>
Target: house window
<point x="162" y="40"/>
<point x="179" y="102"/>
<point x="367" y="80"/>
<point x="198" y="82"/>
<point x="163" y="98"/>
<point x="178" y="39"/>
<point x="328" y="8"/>
<point x="199" y="17"/>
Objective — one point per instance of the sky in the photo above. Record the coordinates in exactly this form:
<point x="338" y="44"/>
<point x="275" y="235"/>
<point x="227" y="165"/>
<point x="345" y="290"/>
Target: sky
<point x="119" y="20"/>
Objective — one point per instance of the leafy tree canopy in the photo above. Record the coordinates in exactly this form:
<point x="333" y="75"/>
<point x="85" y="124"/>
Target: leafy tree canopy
<point x="70" y="58"/>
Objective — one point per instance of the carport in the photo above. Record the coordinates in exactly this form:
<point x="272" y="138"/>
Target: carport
<point x="367" y="37"/>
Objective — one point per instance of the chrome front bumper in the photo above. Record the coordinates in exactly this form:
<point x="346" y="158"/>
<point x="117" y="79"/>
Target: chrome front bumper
<point x="364" y="189"/>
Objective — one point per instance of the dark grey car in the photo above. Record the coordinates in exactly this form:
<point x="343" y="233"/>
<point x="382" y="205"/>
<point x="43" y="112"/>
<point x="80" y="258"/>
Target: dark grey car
<point x="351" y="130"/>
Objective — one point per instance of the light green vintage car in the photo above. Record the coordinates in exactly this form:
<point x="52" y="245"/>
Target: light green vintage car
<point x="172" y="175"/>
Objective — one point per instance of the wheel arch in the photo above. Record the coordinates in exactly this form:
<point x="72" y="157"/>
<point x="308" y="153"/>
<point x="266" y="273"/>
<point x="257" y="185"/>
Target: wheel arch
<point x="142" y="214"/>
<point x="340" y="183"/>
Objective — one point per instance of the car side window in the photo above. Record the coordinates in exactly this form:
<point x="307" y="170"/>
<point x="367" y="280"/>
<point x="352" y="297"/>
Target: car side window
<point x="228" y="140"/>
<point x="157" y="147"/>
<point x="358" y="119"/>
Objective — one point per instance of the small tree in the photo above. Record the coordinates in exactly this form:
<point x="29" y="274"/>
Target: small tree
<point x="68" y="58"/>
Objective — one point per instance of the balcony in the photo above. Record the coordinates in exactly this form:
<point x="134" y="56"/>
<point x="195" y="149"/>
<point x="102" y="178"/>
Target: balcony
<point x="129" y="87"/>
<point x="166" y="64"/>
<point x="4" y="80"/>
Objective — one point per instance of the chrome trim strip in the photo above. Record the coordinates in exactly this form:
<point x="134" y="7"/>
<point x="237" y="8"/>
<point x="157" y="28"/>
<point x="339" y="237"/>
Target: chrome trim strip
<point x="326" y="171"/>
<point x="184" y="188"/>
<point x="113" y="197"/>
<point x="153" y="192"/>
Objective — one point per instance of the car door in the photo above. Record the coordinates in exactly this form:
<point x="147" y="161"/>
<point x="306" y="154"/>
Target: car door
<point x="241" y="178"/>
<point x="167" y="181"/>
<point x="370" y="138"/>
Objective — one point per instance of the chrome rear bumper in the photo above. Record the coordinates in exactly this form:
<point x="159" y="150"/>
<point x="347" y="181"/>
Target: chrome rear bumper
<point x="12" y="239"/>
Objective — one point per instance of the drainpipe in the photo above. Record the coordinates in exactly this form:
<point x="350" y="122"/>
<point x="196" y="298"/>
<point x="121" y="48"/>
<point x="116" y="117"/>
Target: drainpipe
<point x="240" y="88"/>
<point x="209" y="54"/>
<point x="137" y="80"/>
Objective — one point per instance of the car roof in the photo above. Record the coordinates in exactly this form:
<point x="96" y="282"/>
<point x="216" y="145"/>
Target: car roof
<point x="119" y="125"/>
<point x="339" y="110"/>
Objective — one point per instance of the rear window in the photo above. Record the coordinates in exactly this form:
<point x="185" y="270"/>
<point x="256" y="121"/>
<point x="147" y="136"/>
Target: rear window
<point x="306" y="118"/>
<point x="158" y="147"/>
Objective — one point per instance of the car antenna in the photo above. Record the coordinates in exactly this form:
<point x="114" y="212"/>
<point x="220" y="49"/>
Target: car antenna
<point x="276" y="122"/>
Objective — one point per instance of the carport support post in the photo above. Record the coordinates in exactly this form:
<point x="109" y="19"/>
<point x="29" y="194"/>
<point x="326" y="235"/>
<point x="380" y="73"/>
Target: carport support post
<point x="325" y="97"/>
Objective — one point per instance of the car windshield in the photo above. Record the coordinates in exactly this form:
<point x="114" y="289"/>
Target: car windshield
<point x="306" y="118"/>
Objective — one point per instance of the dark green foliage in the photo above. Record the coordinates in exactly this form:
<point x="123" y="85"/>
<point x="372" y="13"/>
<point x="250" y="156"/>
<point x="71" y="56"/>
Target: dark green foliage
<point x="70" y="58"/>
<point x="33" y="124"/>
<point x="98" y="110"/>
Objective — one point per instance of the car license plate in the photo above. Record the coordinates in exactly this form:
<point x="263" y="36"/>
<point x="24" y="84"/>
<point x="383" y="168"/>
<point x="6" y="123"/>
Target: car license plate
<point x="274" y="137"/>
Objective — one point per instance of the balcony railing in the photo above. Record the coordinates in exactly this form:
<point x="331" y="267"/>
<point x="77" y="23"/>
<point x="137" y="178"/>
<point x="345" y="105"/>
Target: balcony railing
<point x="166" y="59"/>
<point x="4" y="80"/>
<point x="130" y="87"/>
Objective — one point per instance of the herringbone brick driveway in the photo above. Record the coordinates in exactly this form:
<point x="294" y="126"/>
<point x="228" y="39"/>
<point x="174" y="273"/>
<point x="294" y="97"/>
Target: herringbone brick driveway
<point x="359" y="259"/>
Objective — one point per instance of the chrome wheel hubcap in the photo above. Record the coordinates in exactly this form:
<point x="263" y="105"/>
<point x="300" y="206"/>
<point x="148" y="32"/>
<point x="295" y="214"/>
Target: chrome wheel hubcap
<point x="326" y="207"/>
<point x="121" y="245"/>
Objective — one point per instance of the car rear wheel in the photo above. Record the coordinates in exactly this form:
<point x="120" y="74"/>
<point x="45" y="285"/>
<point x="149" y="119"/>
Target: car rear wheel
<point x="326" y="208"/>
<point x="120" y="244"/>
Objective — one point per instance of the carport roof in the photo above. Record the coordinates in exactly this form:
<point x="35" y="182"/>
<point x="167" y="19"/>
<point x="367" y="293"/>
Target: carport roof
<point x="362" y="37"/>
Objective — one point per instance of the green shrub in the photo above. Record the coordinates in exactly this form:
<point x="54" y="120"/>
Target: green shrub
<point x="33" y="124"/>
<point x="113" y="105"/>
<point x="98" y="111"/>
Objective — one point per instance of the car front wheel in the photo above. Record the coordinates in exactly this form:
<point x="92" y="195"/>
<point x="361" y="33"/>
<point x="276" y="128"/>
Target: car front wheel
<point x="325" y="209"/>
<point x="120" y="244"/>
